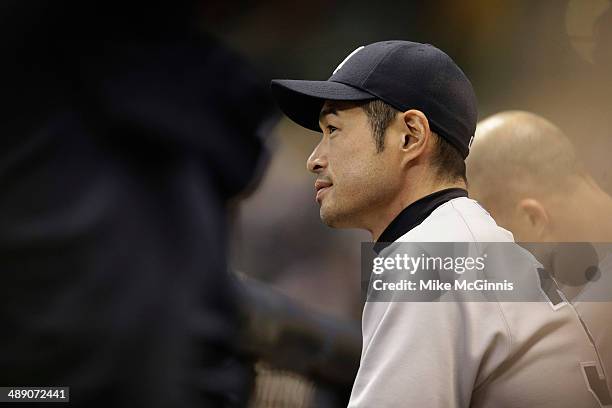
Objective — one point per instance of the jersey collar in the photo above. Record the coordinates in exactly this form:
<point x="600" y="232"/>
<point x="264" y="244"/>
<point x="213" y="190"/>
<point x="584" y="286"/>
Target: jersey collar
<point x="415" y="214"/>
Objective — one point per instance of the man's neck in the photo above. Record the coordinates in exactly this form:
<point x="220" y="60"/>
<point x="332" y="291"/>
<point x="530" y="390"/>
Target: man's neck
<point x="584" y="215"/>
<point x="391" y="211"/>
<point x="595" y="215"/>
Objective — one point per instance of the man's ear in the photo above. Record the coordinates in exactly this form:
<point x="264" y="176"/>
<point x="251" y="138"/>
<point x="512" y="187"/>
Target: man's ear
<point x="534" y="217"/>
<point x="415" y="135"/>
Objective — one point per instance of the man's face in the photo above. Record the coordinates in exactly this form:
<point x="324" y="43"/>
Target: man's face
<point x="353" y="179"/>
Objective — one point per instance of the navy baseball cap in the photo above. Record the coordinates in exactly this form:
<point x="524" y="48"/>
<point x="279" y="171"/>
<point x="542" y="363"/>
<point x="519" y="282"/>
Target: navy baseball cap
<point x="406" y="75"/>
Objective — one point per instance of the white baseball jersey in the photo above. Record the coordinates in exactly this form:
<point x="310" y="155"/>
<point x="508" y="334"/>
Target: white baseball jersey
<point x="480" y="354"/>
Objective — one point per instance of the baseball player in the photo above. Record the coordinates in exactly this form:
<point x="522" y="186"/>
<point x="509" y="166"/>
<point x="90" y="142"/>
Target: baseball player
<point x="397" y="120"/>
<point x="549" y="197"/>
<point x="540" y="190"/>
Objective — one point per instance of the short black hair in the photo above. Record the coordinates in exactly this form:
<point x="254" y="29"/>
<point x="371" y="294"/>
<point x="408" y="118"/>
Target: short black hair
<point x="448" y="162"/>
<point x="380" y="116"/>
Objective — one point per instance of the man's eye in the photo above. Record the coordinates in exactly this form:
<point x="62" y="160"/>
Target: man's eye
<point x="331" y="129"/>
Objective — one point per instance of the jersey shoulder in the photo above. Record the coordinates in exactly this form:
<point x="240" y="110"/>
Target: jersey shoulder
<point x="458" y="220"/>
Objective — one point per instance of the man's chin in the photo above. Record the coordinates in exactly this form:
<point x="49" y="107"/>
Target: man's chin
<point x="333" y="219"/>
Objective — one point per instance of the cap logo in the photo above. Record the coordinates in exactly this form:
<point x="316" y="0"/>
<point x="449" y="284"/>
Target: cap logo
<point x="471" y="141"/>
<point x="347" y="58"/>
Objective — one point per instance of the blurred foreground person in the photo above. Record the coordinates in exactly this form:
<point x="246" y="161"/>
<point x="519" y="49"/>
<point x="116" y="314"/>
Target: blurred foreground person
<point x="524" y="170"/>
<point x="124" y="138"/>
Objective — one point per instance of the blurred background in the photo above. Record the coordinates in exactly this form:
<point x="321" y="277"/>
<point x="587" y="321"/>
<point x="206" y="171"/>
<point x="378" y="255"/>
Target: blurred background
<point x="551" y="57"/>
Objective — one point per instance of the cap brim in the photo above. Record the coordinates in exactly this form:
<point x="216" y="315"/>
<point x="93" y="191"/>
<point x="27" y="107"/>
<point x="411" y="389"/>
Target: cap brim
<point x="302" y="101"/>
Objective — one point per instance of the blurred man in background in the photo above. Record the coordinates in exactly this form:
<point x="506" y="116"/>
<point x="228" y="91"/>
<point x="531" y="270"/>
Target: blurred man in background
<point x="524" y="170"/>
<point x="124" y="138"/>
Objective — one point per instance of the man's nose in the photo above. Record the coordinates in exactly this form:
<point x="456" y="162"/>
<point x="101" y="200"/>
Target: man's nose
<point x="317" y="160"/>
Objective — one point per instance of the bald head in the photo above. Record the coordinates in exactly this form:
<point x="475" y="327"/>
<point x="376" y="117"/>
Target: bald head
<point x="524" y="170"/>
<point x="518" y="153"/>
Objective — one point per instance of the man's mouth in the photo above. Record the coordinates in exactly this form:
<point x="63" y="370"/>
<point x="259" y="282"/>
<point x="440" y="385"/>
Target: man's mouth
<point x="321" y="187"/>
